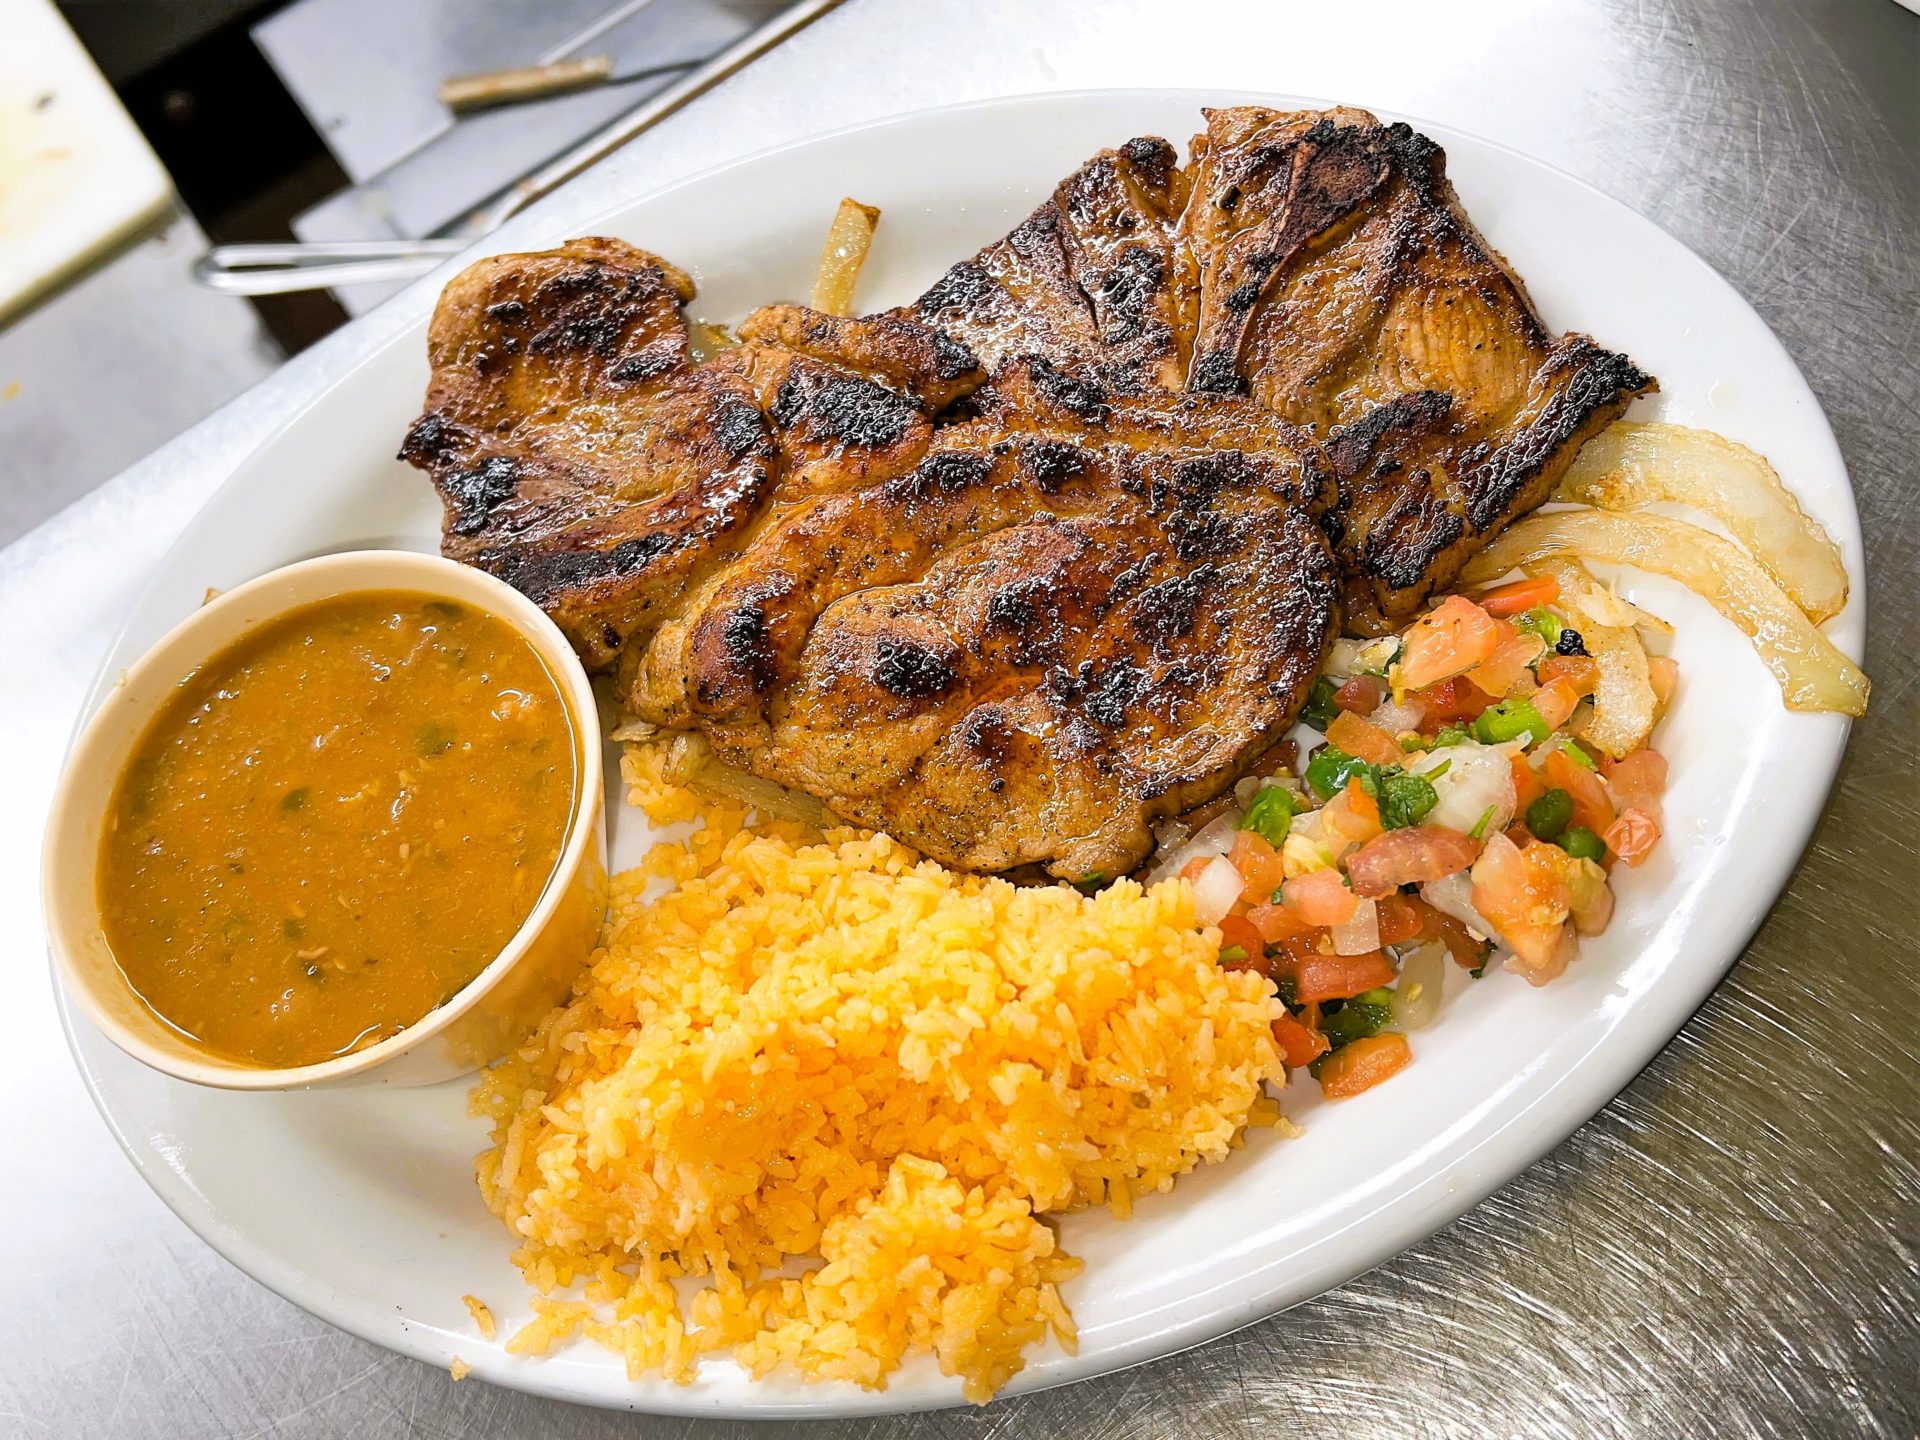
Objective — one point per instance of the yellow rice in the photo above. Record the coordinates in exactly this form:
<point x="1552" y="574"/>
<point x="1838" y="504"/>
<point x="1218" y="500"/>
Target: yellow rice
<point x="482" y="1316"/>
<point x="839" y="1086"/>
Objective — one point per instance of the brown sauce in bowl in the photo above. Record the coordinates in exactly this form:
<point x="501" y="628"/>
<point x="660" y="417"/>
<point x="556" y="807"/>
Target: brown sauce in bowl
<point x="334" y="825"/>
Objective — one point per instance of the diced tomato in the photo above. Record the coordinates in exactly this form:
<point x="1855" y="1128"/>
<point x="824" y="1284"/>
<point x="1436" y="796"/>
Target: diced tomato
<point x="1511" y="659"/>
<point x="1450" y="702"/>
<point x="1190" y="871"/>
<point x="1467" y="952"/>
<point x="1258" y="863"/>
<point x="1638" y="781"/>
<point x="1360" y="696"/>
<point x="1556" y="701"/>
<point x="1351" y="818"/>
<point x="1409" y="856"/>
<point x="1591" y="805"/>
<point x="1276" y="923"/>
<point x="1364" y="739"/>
<point x="1312" y="941"/>
<point x="1502" y="886"/>
<point x="1299" y="1045"/>
<point x="1527" y="787"/>
<point x="1321" y="898"/>
<point x="1580" y="671"/>
<point x="1519" y="596"/>
<point x="1452" y="637"/>
<point x="1318" y="978"/>
<point x="1633" y="836"/>
<point x="1400" y="920"/>
<point x="1364" y="807"/>
<point x="1363" y="1064"/>
<point x="1525" y="894"/>
<point x="1236" y="931"/>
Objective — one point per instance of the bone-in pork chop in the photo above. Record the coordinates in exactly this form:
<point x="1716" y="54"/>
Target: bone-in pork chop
<point x="1320" y="263"/>
<point x="1059" y="627"/>
<point x="584" y="456"/>
<point x="1341" y="285"/>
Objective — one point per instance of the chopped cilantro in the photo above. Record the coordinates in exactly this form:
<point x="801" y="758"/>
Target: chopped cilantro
<point x="1405" y="799"/>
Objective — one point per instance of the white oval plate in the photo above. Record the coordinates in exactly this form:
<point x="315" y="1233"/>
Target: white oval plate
<point x="361" y="1206"/>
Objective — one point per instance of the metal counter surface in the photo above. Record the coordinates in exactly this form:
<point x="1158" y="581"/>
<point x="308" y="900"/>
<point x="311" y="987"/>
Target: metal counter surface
<point x="1727" y="1250"/>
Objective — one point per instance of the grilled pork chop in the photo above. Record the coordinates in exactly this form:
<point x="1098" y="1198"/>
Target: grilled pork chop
<point x="1062" y="625"/>
<point x="1342" y="286"/>
<point x="1087" y="282"/>
<point x="1320" y="263"/>
<point x="586" y="458"/>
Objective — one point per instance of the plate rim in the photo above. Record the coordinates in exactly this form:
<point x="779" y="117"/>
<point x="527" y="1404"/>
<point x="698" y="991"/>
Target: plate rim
<point x="1425" y="1206"/>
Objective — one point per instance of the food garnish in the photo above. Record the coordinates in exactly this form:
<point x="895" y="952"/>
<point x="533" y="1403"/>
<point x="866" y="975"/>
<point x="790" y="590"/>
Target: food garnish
<point x="1632" y="464"/>
<point x="845" y="253"/>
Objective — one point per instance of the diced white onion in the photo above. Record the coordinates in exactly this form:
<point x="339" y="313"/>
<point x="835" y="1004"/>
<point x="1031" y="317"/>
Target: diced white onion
<point x="1214" y="892"/>
<point x="1423" y="979"/>
<point x="1394" y="718"/>
<point x="1376" y="655"/>
<point x="1473" y="779"/>
<point x="1453" y="896"/>
<point x="1359" y="933"/>
<point x="1344" y="658"/>
<point x="1213" y="838"/>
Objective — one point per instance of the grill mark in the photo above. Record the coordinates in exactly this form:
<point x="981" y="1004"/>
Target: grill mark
<point x="912" y="671"/>
<point x="475" y="494"/>
<point x="1052" y="463"/>
<point x="961" y="288"/>
<point x="542" y="575"/>
<point x="851" y="410"/>
<point x="1166" y="612"/>
<point x="1078" y="396"/>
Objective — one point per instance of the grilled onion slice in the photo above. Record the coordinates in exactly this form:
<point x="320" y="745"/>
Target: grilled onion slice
<point x="1631" y="464"/>
<point x="1623" y="702"/>
<point x="848" y="240"/>
<point x="1813" y="675"/>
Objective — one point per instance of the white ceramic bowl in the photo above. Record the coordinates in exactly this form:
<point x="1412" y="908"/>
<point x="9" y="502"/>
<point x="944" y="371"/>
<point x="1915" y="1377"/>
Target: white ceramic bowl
<point x="500" y="1004"/>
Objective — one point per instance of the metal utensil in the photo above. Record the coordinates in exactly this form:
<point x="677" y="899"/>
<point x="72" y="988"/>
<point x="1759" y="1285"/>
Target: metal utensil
<point x="280" y="268"/>
<point x="492" y="89"/>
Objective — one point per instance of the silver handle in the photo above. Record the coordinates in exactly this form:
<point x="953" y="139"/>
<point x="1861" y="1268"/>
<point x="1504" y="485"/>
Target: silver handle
<point x="649" y="113"/>
<point x="280" y="269"/>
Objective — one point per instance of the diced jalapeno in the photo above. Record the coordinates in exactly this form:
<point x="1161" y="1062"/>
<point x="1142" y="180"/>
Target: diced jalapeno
<point x="1320" y="709"/>
<point x="1270" y="815"/>
<point x="1550" y="815"/>
<point x="1509" y="720"/>
<point x="1581" y="843"/>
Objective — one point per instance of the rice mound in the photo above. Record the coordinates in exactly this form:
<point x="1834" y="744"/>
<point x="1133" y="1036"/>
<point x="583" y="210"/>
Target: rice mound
<point x="841" y="1085"/>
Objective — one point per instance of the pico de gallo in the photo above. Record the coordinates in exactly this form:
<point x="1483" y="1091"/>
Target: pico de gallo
<point x="1452" y="815"/>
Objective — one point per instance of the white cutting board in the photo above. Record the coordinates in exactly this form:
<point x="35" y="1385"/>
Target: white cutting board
<point x="76" y="176"/>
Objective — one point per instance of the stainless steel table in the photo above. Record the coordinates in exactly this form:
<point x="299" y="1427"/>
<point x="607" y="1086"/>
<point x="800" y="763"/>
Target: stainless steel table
<point x="1727" y="1250"/>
